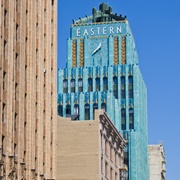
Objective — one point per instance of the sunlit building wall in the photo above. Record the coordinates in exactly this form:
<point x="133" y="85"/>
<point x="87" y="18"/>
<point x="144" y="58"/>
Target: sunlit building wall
<point x="28" y="89"/>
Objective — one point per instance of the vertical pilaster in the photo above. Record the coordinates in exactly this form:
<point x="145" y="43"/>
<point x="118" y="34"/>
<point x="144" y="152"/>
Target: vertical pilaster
<point x="110" y="50"/>
<point x="81" y="105"/>
<point x="69" y="53"/>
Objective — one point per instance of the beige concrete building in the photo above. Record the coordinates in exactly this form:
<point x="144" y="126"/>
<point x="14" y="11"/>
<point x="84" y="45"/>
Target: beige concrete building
<point x="28" y="89"/>
<point x="157" y="162"/>
<point x="89" y="150"/>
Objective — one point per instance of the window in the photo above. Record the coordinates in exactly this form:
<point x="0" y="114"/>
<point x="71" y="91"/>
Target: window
<point x="131" y="118"/>
<point x="97" y="84"/>
<point x="111" y="153"/>
<point x="4" y="79"/>
<point x="80" y="85"/>
<point x="16" y="90"/>
<point x="95" y="106"/>
<point x="103" y="106"/>
<point x="123" y="119"/>
<point x="111" y="173"/>
<point x="17" y="32"/>
<point x="130" y="86"/>
<point x="52" y="2"/>
<point x="105" y="83"/>
<point x="115" y="87"/>
<point x="3" y="112"/>
<point x="17" y="5"/>
<point x="16" y="62"/>
<point x="123" y="88"/>
<point x="68" y="109"/>
<point x="86" y="112"/>
<point x="65" y="86"/>
<point x="60" y="110"/>
<point x="5" y="49"/>
<point x="76" y="109"/>
<point x="15" y="121"/>
<point x="106" y="169"/>
<point x="72" y="85"/>
<point x="5" y="17"/>
<point x="126" y="158"/>
<point x="90" y="84"/>
<point x="3" y="143"/>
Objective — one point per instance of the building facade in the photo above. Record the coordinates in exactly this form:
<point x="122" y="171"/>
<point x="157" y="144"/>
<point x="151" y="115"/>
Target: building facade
<point x="89" y="150"/>
<point x="157" y="162"/>
<point x="28" y="89"/>
<point x="102" y="72"/>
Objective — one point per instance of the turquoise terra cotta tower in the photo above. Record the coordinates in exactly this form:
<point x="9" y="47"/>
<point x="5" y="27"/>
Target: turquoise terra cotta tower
<point x="102" y="72"/>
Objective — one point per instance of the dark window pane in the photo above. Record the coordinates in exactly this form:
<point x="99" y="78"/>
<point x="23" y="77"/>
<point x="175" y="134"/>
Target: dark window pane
<point x="131" y="118"/>
<point x="86" y="112"/>
<point x="76" y="109"/>
<point x="90" y="84"/>
<point x="115" y="87"/>
<point x="72" y="85"/>
<point x="105" y="84"/>
<point x="68" y="109"/>
<point x="103" y="106"/>
<point x="80" y="85"/>
<point x="123" y="119"/>
<point x="130" y="86"/>
<point x="65" y="86"/>
<point x="60" y="110"/>
<point x="97" y="84"/>
<point x="123" y="88"/>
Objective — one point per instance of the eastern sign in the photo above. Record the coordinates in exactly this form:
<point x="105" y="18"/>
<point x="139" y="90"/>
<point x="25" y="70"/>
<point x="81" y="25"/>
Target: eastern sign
<point x="97" y="30"/>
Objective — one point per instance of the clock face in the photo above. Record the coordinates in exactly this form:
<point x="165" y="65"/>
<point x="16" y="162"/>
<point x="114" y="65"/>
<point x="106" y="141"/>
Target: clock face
<point x="98" y="48"/>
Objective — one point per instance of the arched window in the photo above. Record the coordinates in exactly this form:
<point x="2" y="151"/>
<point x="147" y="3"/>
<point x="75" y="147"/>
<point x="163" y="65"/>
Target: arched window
<point x="103" y="106"/>
<point x="123" y="88"/>
<point x="123" y="119"/>
<point x="80" y="85"/>
<point x="86" y="112"/>
<point x="95" y="106"/>
<point x="60" y="110"/>
<point x="130" y="86"/>
<point x="72" y="85"/>
<point x="97" y="84"/>
<point x="76" y="109"/>
<point x="105" y="83"/>
<point x="131" y="118"/>
<point x="115" y="87"/>
<point x="90" y="84"/>
<point x="65" y="86"/>
<point x="68" y="109"/>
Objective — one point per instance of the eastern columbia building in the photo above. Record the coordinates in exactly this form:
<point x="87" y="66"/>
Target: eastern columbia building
<point x="102" y="72"/>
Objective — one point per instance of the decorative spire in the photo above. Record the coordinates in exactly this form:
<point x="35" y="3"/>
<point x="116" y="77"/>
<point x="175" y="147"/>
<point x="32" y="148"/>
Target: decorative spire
<point x="104" y="14"/>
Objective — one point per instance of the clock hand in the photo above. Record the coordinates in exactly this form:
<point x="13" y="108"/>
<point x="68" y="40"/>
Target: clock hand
<point x="99" y="46"/>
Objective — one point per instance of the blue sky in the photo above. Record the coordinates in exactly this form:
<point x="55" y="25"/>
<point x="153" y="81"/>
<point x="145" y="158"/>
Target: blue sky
<point x="156" y="28"/>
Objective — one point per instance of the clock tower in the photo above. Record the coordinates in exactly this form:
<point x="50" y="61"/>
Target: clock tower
<point x="102" y="72"/>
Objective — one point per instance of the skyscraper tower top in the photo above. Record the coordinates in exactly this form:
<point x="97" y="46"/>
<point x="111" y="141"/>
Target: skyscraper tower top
<point x="102" y="39"/>
<point x="104" y="14"/>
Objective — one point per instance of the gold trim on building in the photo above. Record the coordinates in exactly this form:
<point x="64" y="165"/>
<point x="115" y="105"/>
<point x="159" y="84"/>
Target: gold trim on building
<point x="123" y="50"/>
<point x="116" y="54"/>
<point x="81" y="53"/>
<point x="74" y="54"/>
